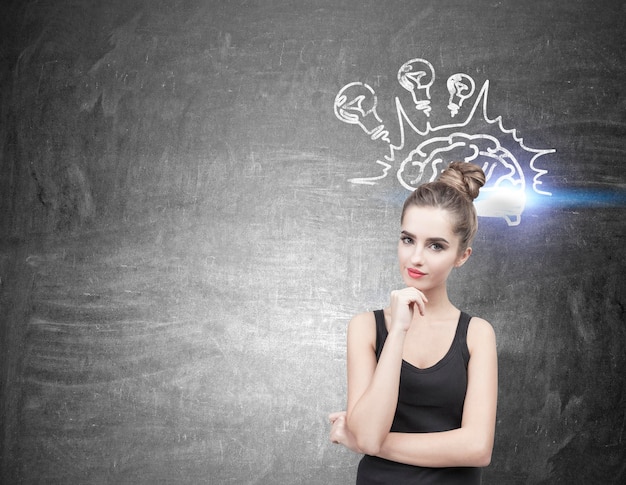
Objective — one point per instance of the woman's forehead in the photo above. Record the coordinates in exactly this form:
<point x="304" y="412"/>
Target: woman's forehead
<point x="428" y="222"/>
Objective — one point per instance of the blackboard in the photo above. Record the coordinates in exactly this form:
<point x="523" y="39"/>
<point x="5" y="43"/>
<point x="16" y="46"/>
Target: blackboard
<point x="189" y="219"/>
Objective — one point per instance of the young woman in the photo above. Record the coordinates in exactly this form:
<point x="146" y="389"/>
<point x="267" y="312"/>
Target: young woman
<point x="422" y="375"/>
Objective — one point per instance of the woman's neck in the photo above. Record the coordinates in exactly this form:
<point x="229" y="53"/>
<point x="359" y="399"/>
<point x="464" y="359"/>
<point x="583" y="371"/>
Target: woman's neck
<point x="438" y="302"/>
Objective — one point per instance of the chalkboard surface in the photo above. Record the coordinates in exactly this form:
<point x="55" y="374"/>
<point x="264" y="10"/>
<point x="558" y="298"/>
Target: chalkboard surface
<point x="195" y="198"/>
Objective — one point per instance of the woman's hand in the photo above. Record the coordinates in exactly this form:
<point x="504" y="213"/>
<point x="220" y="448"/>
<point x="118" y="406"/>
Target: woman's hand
<point x="403" y="305"/>
<point x="339" y="432"/>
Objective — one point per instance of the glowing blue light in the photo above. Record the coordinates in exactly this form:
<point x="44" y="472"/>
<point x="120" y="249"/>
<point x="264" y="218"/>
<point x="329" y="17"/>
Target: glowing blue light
<point x="579" y="197"/>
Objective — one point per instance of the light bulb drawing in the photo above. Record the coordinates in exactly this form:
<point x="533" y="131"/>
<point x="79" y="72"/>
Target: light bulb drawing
<point x="356" y="104"/>
<point x="417" y="76"/>
<point x="461" y="87"/>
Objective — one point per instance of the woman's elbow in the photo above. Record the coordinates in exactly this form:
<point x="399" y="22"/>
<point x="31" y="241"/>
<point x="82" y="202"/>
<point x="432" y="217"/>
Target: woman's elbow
<point x="368" y="445"/>
<point x="367" y="441"/>
<point x="483" y="459"/>
<point x="481" y="454"/>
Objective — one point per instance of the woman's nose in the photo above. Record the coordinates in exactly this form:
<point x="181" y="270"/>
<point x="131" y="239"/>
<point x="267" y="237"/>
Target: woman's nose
<point x="418" y="255"/>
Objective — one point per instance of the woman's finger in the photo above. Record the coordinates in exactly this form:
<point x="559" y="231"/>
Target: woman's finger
<point x="332" y="417"/>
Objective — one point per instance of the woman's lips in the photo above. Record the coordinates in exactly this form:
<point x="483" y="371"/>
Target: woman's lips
<point x="415" y="273"/>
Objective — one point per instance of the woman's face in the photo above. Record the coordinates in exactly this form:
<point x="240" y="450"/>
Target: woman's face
<point x="428" y="249"/>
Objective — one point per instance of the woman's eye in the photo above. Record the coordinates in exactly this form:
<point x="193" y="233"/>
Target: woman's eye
<point x="437" y="247"/>
<point x="406" y="240"/>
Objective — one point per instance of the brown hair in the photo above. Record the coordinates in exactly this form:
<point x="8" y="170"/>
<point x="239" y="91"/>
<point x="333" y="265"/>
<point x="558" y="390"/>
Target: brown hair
<point x="454" y="191"/>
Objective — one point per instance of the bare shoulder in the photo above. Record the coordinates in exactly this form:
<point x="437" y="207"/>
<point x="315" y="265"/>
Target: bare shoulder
<point x="365" y="318"/>
<point x="363" y="322"/>
<point x="480" y="333"/>
<point x="362" y="328"/>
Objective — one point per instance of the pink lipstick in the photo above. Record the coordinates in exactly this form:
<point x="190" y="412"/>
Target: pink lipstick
<point x="415" y="273"/>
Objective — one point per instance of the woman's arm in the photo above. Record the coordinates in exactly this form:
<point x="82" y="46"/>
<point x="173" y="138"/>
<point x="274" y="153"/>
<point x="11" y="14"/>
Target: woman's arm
<point x="373" y="386"/>
<point x="472" y="443"/>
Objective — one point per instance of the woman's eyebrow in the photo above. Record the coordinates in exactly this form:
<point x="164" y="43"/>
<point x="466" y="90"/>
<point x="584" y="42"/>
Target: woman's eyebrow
<point x="430" y="239"/>
<point x="438" y="240"/>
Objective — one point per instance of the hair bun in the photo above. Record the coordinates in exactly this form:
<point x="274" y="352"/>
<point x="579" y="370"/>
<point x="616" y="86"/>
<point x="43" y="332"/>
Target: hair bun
<point x="465" y="177"/>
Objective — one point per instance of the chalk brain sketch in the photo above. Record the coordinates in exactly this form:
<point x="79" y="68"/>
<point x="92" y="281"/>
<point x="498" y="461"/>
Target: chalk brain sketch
<point x="419" y="150"/>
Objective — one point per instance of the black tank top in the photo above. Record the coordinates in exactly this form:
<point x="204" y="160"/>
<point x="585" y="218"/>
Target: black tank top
<point x="429" y="400"/>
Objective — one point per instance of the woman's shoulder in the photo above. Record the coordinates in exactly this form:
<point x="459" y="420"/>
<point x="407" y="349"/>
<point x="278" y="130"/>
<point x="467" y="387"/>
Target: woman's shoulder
<point x="480" y="325"/>
<point x="364" y="319"/>
<point x="480" y="332"/>
<point x="363" y="326"/>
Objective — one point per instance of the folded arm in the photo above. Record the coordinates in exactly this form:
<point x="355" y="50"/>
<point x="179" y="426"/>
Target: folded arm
<point x="369" y="418"/>
<point x="472" y="443"/>
<point x="372" y="387"/>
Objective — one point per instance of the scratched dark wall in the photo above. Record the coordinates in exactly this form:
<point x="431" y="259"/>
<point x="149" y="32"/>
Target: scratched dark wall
<point x="181" y="250"/>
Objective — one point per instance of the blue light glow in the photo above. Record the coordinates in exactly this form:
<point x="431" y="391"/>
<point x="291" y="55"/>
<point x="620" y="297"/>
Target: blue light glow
<point x="579" y="198"/>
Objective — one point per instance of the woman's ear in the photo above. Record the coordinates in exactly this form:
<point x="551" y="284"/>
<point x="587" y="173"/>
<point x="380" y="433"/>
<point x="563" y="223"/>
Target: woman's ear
<point x="463" y="257"/>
